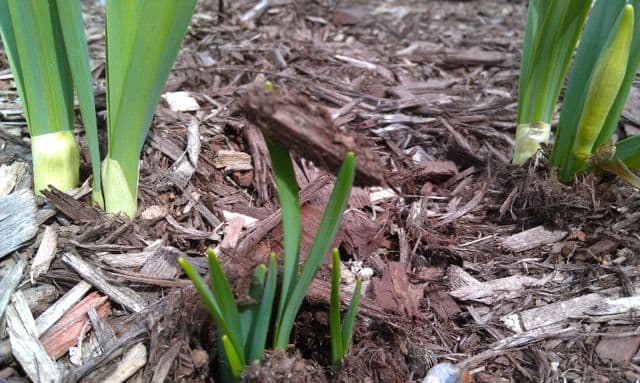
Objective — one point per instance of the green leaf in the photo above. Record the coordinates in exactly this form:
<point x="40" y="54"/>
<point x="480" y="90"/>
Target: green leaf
<point x="551" y="34"/>
<point x="350" y="317"/>
<point x="43" y="67"/>
<point x="611" y="122"/>
<point x="628" y="151"/>
<point x="207" y="296"/>
<point x="224" y="295"/>
<point x="323" y="240"/>
<point x="143" y="39"/>
<point x="77" y="51"/>
<point x="607" y="75"/>
<point x="621" y="170"/>
<point x="35" y="48"/>
<point x="11" y="49"/>
<point x="290" y="206"/>
<point x="335" y="328"/>
<point x="601" y="21"/>
<point x="234" y="358"/>
<point x="248" y="311"/>
<point x="257" y="339"/>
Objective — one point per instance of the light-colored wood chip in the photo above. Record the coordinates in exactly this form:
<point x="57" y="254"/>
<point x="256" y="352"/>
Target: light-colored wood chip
<point x="45" y="255"/>
<point x="494" y="290"/>
<point x="532" y="238"/>
<point x="181" y="101"/>
<point x="552" y="313"/>
<point x="121" y="294"/>
<point x="17" y="220"/>
<point x="230" y="160"/>
<point x="25" y="346"/>
<point x="61" y="306"/>
<point x="10" y="282"/>
<point x="10" y="175"/>
<point x="132" y="361"/>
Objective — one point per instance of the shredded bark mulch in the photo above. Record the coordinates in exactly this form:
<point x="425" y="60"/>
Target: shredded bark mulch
<point x="504" y="272"/>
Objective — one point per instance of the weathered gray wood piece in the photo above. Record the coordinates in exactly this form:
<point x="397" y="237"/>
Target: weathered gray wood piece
<point x="61" y="306"/>
<point x="491" y="291"/>
<point x="45" y="254"/>
<point x="17" y="220"/>
<point x="532" y="238"/>
<point x="25" y="346"/>
<point x="121" y="294"/>
<point x="10" y="282"/>
<point x="552" y="313"/>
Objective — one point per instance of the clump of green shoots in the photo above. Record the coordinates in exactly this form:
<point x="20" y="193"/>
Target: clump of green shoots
<point x="243" y="330"/>
<point x="599" y="83"/>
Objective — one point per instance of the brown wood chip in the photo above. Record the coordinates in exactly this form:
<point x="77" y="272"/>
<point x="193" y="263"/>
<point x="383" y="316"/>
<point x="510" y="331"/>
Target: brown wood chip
<point x="307" y="129"/>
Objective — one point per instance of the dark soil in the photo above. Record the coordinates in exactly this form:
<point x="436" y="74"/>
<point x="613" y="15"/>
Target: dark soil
<point x="425" y="93"/>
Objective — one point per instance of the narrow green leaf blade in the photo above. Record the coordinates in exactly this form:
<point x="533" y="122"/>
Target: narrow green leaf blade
<point x="324" y="237"/>
<point x="335" y="327"/>
<point x="552" y="31"/>
<point x="121" y="26"/>
<point x="44" y="71"/>
<point x="234" y="358"/>
<point x="248" y="311"/>
<point x="224" y="295"/>
<point x="72" y="25"/>
<point x="607" y="74"/>
<point x="551" y="34"/>
<point x="628" y="151"/>
<point x="290" y="206"/>
<point x="138" y="70"/>
<point x="258" y="337"/>
<point x="11" y="49"/>
<point x="350" y="317"/>
<point x="207" y="296"/>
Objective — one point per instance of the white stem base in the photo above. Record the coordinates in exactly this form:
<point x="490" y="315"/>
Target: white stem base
<point x="528" y="140"/>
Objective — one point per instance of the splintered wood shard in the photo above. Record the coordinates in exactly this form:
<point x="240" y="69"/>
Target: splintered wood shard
<point x="17" y="220"/>
<point x="25" y="346"/>
<point x="66" y="331"/>
<point x="121" y="294"/>
<point x="46" y="253"/>
<point x="532" y="238"/>
<point x="308" y="130"/>
<point x="10" y="282"/>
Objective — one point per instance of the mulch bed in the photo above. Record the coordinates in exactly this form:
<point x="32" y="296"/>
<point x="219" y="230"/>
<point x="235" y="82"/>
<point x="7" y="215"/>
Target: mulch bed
<point x="503" y="272"/>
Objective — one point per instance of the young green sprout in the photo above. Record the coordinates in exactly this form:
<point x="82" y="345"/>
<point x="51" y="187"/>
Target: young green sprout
<point x="341" y="333"/>
<point x="243" y="329"/>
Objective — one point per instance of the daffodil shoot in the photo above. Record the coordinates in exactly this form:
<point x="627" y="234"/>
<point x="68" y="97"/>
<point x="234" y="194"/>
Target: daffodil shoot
<point x="601" y="77"/>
